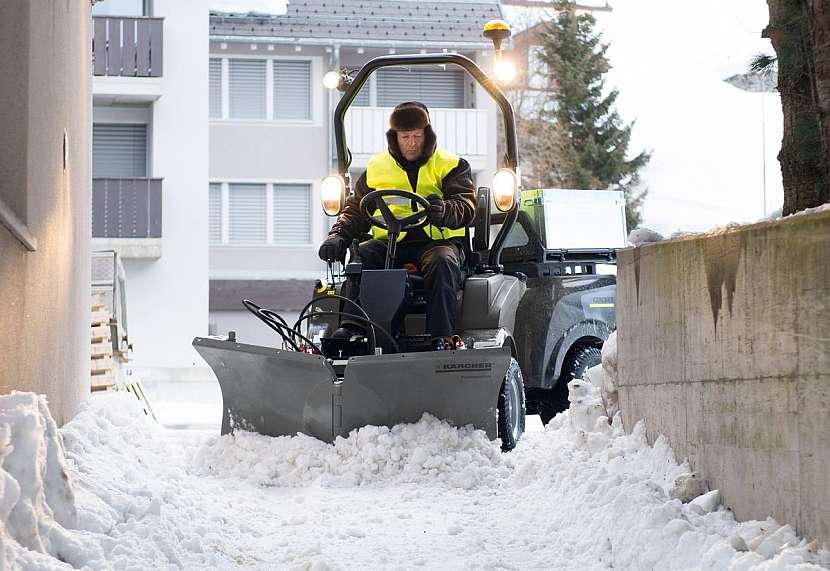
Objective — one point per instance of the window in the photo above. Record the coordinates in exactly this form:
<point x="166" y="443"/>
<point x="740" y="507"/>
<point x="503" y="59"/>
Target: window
<point x="259" y="214"/>
<point x="364" y="96"/>
<point x="247" y="88"/>
<point x="215" y="83"/>
<point x="246" y="214"/>
<point x="292" y="213"/>
<point x="215" y="213"/>
<point x="435" y="88"/>
<point x="119" y="150"/>
<point x="266" y="89"/>
<point x="292" y="89"/>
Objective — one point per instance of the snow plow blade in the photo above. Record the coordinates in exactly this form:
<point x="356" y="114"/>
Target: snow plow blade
<point x="282" y="393"/>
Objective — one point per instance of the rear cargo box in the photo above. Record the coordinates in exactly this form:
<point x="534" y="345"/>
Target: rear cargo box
<point x="577" y="219"/>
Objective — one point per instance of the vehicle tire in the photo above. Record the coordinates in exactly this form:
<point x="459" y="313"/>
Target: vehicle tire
<point x="575" y="366"/>
<point x="511" y="414"/>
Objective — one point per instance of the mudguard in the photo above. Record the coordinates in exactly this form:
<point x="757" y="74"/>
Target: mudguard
<point x="281" y="393"/>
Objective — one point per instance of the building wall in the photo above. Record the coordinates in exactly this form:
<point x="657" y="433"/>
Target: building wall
<point x="724" y="347"/>
<point x="168" y="297"/>
<point x="44" y="294"/>
<point x="268" y="152"/>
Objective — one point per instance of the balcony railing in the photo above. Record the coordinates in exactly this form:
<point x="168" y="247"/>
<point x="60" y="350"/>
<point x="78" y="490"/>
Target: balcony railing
<point x="126" y="207"/>
<point x="461" y="131"/>
<point x="127" y="47"/>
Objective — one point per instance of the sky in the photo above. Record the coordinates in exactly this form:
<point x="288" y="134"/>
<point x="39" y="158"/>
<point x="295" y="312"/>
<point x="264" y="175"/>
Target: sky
<point x="713" y="145"/>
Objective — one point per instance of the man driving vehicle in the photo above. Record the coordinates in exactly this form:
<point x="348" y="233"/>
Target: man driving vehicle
<point x="413" y="162"/>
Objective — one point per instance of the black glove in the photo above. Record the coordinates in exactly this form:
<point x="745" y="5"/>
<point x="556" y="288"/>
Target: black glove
<point x="334" y="248"/>
<point x="436" y="211"/>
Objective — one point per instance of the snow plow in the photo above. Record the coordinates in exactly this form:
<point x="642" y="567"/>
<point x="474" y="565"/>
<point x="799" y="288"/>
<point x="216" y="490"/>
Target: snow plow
<point x="325" y="386"/>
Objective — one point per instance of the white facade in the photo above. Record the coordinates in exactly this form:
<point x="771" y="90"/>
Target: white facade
<point x="167" y="283"/>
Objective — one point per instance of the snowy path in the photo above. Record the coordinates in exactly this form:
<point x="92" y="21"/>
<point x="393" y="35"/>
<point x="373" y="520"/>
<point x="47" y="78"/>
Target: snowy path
<point x="422" y="496"/>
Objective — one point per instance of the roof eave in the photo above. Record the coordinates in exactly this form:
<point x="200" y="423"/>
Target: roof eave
<point x="386" y="43"/>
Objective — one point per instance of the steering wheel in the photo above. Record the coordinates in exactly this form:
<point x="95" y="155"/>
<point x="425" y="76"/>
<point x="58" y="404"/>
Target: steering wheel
<point x="387" y="220"/>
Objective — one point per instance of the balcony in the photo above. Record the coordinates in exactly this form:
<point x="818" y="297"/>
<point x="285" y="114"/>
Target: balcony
<point x="127" y="59"/>
<point x="126" y="216"/>
<point x="461" y="131"/>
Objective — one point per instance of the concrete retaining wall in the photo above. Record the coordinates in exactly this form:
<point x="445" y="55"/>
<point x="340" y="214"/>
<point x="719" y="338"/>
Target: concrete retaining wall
<point x="44" y="185"/>
<point x="724" y="347"/>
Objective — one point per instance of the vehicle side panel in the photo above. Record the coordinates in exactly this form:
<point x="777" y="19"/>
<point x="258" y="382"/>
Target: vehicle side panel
<point x="554" y="313"/>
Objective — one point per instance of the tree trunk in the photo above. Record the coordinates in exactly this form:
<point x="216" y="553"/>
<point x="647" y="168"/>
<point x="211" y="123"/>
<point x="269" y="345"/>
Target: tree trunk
<point x="803" y="155"/>
<point x="818" y="12"/>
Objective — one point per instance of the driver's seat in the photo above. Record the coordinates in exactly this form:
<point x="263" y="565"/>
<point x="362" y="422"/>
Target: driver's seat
<point x="474" y="248"/>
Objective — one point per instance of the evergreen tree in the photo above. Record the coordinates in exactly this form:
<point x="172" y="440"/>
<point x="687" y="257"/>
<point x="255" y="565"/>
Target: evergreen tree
<point x="577" y="139"/>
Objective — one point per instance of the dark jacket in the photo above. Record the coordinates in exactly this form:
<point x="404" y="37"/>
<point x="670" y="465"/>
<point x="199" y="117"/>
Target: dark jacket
<point x="457" y="187"/>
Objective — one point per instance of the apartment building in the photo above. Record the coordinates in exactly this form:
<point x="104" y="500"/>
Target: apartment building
<point x="271" y="130"/>
<point x="150" y="169"/>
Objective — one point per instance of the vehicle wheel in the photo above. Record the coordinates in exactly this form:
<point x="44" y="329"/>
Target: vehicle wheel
<point x="576" y="365"/>
<point x="511" y="420"/>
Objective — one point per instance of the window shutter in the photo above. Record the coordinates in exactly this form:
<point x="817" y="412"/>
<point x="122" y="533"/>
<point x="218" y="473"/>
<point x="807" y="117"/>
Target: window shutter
<point x="215" y="88"/>
<point x="247" y="88"/>
<point x="215" y="213"/>
<point x="119" y="151"/>
<point x="362" y="99"/>
<point x="292" y="213"/>
<point x="434" y="88"/>
<point x="292" y="89"/>
<point x="246" y="216"/>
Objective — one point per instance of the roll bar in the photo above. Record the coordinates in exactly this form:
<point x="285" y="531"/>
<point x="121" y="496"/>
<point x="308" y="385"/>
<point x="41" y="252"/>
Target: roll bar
<point x="344" y="157"/>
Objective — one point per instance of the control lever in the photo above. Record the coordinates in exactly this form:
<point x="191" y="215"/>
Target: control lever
<point x="355" y="265"/>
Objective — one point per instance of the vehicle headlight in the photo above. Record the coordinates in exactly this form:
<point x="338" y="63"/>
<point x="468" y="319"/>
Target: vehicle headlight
<point x="332" y="194"/>
<point x="504" y="189"/>
<point x="332" y="79"/>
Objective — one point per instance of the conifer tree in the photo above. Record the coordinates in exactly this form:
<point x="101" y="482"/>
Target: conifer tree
<point x="577" y="139"/>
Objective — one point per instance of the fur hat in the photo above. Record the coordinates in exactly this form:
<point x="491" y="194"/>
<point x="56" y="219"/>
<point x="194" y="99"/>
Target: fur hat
<point x="409" y="116"/>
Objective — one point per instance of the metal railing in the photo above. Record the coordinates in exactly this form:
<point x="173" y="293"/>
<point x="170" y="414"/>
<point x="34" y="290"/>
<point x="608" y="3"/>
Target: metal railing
<point x="126" y="207"/>
<point x="127" y="46"/>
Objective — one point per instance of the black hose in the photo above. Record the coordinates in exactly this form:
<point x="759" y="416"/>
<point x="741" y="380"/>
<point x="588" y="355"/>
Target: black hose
<point x="277" y="327"/>
<point x="268" y="313"/>
<point x="250" y="304"/>
<point x="341" y="313"/>
<point x="373" y="338"/>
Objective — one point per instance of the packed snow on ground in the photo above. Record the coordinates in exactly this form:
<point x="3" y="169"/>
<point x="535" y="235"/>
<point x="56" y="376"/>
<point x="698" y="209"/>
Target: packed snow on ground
<point x="114" y="490"/>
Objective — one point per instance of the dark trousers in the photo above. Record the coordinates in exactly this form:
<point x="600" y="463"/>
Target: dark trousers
<point x="440" y="263"/>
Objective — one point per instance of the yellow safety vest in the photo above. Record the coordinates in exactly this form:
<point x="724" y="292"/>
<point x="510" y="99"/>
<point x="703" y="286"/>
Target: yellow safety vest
<point x="383" y="172"/>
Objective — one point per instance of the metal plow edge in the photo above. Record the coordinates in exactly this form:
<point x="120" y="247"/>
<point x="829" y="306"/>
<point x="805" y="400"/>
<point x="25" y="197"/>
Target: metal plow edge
<point x="281" y="393"/>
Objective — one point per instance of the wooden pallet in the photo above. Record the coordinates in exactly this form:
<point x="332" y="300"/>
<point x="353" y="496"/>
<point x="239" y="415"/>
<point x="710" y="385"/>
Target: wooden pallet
<point x="100" y="317"/>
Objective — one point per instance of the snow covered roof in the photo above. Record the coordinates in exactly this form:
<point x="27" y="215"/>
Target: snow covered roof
<point x="373" y="21"/>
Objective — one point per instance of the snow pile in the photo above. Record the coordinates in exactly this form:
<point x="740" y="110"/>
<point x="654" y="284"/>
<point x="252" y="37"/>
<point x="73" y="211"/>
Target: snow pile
<point x="580" y="495"/>
<point x="604" y="377"/>
<point x="36" y="494"/>
<point x="642" y="235"/>
<point x="429" y="450"/>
